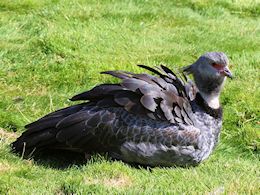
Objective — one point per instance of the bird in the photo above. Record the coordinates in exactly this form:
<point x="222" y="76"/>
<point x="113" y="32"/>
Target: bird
<point x="157" y="119"/>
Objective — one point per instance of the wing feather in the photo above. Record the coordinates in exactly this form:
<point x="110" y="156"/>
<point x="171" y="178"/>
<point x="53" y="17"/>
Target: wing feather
<point x="148" y="102"/>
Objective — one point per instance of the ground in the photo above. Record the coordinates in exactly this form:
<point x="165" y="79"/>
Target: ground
<point x="53" y="49"/>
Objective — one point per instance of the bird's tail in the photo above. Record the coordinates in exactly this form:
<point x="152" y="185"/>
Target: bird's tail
<point x="41" y="134"/>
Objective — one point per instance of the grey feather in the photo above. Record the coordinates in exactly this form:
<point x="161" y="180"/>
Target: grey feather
<point x="148" y="102"/>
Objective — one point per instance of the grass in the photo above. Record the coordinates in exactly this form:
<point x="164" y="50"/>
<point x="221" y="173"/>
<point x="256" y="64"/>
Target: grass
<point x="51" y="50"/>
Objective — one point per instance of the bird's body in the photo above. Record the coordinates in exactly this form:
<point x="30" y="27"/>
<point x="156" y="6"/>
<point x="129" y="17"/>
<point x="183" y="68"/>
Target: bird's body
<point x="145" y="119"/>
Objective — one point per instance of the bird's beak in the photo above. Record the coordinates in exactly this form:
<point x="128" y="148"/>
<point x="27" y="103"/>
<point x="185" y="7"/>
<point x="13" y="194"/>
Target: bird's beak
<point x="227" y="72"/>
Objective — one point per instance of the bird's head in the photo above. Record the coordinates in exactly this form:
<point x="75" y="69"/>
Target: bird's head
<point x="210" y="65"/>
<point x="209" y="72"/>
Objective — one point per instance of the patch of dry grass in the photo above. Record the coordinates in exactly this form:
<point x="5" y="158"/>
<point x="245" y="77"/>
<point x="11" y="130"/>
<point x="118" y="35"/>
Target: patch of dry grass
<point x="7" y="134"/>
<point x="120" y="181"/>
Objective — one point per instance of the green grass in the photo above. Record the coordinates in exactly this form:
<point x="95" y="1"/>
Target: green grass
<point x="51" y="50"/>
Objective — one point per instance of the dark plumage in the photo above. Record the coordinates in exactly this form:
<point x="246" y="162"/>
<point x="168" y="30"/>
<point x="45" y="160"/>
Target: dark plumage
<point x="158" y="120"/>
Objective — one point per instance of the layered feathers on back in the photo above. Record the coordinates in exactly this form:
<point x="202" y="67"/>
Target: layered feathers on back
<point x="152" y="120"/>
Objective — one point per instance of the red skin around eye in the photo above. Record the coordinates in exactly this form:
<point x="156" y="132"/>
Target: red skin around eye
<point x="218" y="67"/>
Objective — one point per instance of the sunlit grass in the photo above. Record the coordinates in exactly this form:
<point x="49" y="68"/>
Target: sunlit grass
<point x="51" y="50"/>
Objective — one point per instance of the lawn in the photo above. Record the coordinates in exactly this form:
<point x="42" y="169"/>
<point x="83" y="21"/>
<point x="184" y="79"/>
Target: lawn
<point x="53" y="49"/>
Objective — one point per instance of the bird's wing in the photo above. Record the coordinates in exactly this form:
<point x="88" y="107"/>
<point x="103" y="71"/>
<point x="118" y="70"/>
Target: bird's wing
<point x="141" y="107"/>
<point x="165" y="98"/>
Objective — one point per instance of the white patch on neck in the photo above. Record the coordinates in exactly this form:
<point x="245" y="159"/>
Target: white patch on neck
<point x="212" y="100"/>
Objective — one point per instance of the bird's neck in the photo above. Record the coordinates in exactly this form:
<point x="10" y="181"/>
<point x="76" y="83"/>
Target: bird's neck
<point x="209" y="90"/>
<point x="211" y="99"/>
<point x="204" y="105"/>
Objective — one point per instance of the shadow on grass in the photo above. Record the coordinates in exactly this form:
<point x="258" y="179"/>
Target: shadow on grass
<point x="57" y="159"/>
<point x="62" y="160"/>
